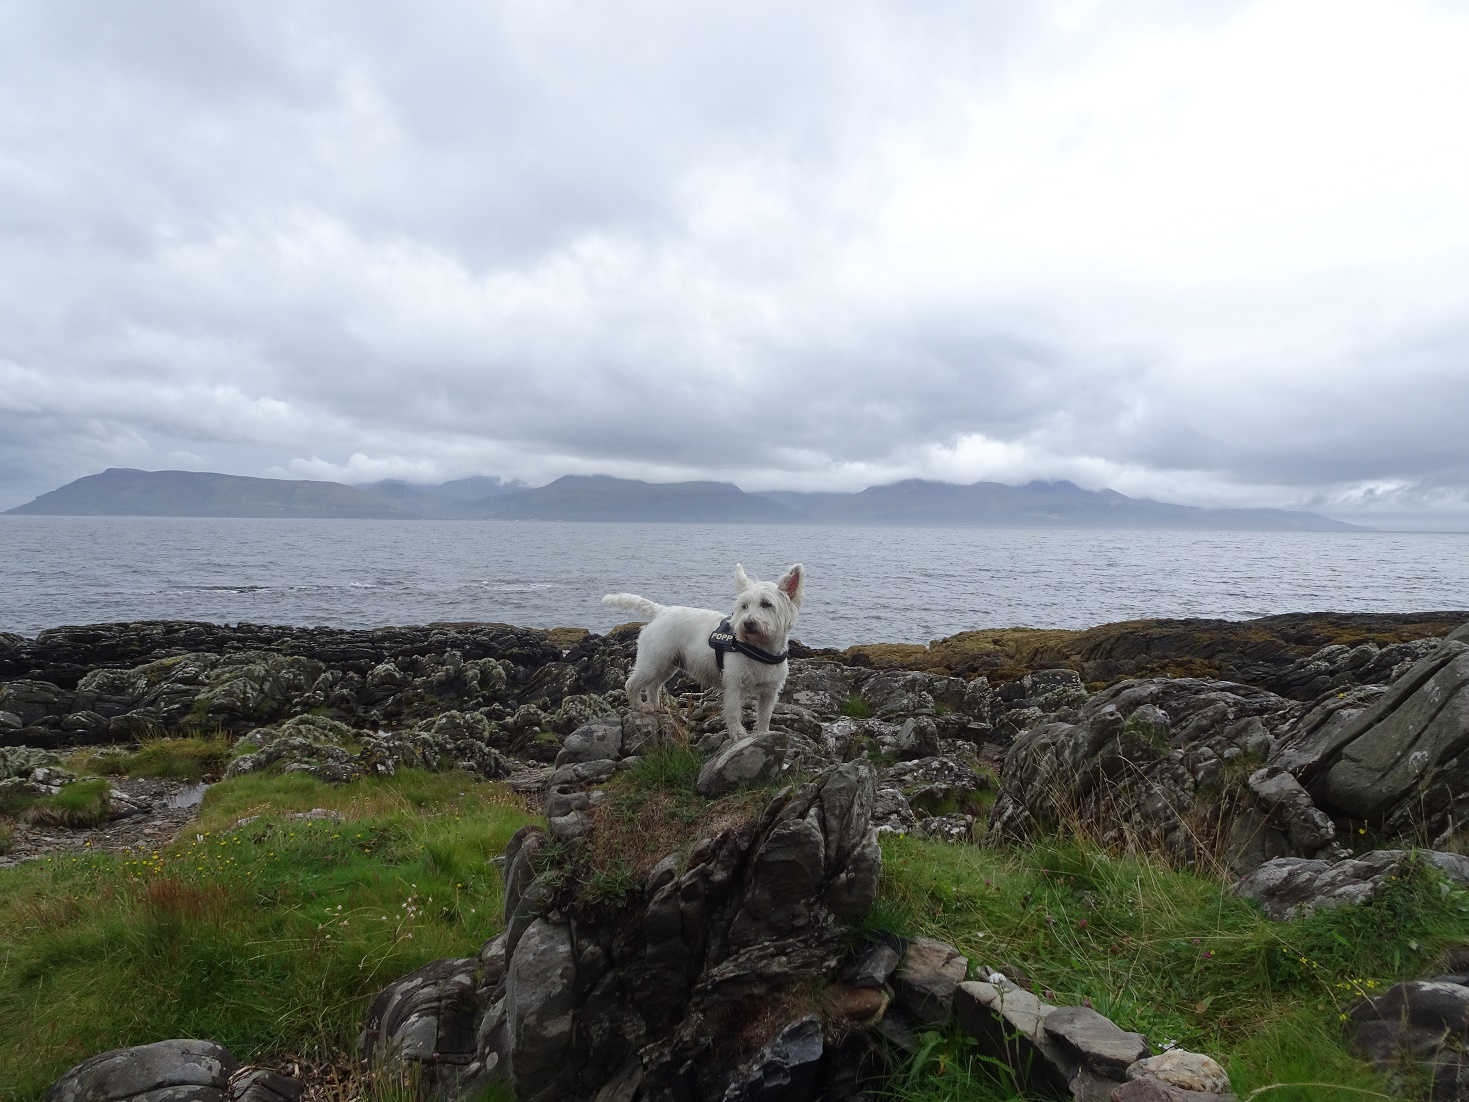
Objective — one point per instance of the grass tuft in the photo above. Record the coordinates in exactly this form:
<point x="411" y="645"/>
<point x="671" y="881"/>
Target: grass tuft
<point x="191" y="759"/>
<point x="856" y="708"/>
<point x="80" y="804"/>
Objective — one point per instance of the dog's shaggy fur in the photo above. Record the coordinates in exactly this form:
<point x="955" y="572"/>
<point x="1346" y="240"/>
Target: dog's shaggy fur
<point x="677" y="638"/>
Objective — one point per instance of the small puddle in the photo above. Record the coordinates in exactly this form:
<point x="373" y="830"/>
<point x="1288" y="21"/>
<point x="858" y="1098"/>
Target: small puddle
<point x="191" y="795"/>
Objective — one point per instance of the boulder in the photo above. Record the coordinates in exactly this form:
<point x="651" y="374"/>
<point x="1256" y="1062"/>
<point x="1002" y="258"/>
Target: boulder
<point x="1190" y="1071"/>
<point x="599" y="739"/>
<point x="188" y="1070"/>
<point x="751" y="760"/>
<point x="925" y="982"/>
<point x="308" y="744"/>
<point x="22" y="761"/>
<point x="428" y="1019"/>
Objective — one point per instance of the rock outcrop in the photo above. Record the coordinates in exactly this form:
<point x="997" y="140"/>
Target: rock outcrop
<point x="1401" y="762"/>
<point x="1161" y="764"/>
<point x="698" y="985"/>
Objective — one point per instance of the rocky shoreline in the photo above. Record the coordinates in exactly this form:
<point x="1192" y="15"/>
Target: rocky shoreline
<point x="1330" y="732"/>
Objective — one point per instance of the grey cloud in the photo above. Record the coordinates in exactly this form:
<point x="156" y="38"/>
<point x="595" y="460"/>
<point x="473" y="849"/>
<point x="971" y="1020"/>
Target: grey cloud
<point x="450" y="236"/>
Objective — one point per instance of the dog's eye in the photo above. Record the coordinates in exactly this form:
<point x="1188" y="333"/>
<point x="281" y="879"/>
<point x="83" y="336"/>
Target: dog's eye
<point x="766" y="604"/>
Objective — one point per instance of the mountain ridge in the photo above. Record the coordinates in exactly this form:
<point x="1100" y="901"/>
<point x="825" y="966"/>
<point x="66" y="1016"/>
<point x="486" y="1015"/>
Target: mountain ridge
<point x="122" y="491"/>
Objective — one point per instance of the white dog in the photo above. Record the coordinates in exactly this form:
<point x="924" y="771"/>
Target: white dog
<point x="745" y="652"/>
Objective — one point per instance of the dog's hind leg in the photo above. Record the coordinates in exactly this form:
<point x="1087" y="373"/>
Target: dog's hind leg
<point x="643" y="691"/>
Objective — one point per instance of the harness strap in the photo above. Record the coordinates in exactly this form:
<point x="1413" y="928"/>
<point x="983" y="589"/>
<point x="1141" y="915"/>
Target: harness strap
<point x="723" y="640"/>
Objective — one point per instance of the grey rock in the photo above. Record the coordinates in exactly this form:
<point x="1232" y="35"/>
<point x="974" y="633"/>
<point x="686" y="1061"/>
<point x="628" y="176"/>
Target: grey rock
<point x="520" y="866"/>
<point x="1095" y="1041"/>
<point x="1426" y="1004"/>
<point x="598" y="740"/>
<point x="1192" y="1071"/>
<point x="890" y="810"/>
<point x="1112" y="768"/>
<point x="22" y="761"/>
<point x="745" y="762"/>
<point x="936" y="785"/>
<point x="540" y="1006"/>
<point x="1288" y="887"/>
<point x="956" y="828"/>
<point x="785" y="875"/>
<point x="427" y="1019"/>
<point x="1408" y="755"/>
<point x="451" y="740"/>
<point x="189" y="1070"/>
<point x="1009" y="1024"/>
<point x="34" y="702"/>
<point x="1040" y="683"/>
<point x="582" y="773"/>
<point x="1289" y="808"/>
<point x="252" y="687"/>
<point x="899" y="694"/>
<point x="876" y="964"/>
<point x="299" y="755"/>
<point x="924" y="984"/>
<point x="784" y="1070"/>
<point x="112" y="692"/>
<point x="264" y="1085"/>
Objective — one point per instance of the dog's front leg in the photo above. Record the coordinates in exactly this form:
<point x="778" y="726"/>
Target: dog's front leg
<point x="764" y="708"/>
<point x="734" y="706"/>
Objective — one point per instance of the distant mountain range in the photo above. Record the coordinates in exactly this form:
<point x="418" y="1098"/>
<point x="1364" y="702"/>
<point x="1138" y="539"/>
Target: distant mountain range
<point x="125" y="492"/>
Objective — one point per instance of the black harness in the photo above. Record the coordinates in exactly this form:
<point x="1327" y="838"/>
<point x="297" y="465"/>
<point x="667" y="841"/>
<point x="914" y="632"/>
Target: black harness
<point x="723" y="640"/>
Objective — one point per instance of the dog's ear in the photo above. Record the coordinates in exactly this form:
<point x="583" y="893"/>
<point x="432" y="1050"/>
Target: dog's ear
<point x="742" y="580"/>
<point x="793" y="583"/>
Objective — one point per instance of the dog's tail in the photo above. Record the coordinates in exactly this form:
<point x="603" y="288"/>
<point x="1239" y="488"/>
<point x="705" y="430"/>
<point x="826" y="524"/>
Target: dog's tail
<point x="633" y="603"/>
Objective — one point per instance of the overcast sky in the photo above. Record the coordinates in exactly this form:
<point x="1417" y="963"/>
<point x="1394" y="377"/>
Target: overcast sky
<point x="1214" y="253"/>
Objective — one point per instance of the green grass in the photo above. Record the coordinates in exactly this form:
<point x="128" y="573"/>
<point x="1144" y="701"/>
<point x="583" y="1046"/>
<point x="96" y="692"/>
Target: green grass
<point x="7" y="837"/>
<point x="1172" y="954"/>
<point x="672" y="769"/>
<point x="81" y="804"/>
<point x="270" y="937"/>
<point x="949" y="1068"/>
<point x="192" y="759"/>
<point x="856" y="707"/>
